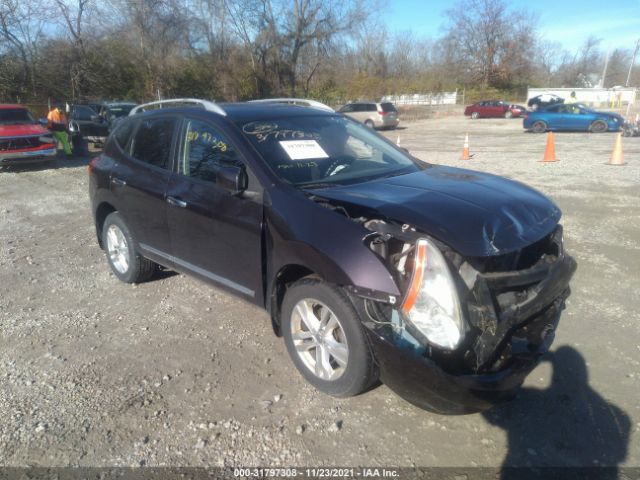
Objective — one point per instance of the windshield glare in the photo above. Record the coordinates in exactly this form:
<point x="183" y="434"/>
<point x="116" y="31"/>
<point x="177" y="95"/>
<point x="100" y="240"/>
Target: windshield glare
<point x="15" y="116"/>
<point x="324" y="151"/>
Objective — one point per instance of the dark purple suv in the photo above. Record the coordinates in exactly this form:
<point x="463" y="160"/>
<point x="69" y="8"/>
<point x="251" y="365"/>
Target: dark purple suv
<point x="446" y="284"/>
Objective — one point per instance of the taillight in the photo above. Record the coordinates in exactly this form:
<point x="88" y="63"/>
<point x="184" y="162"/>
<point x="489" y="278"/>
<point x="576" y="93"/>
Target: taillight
<point x="92" y="164"/>
<point x="380" y="112"/>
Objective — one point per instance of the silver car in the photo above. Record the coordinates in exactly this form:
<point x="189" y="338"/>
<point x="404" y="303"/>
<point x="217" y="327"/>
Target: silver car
<point x="373" y="115"/>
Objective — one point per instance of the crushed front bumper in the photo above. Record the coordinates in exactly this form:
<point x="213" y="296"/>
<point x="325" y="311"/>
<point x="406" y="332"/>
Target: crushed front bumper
<point x="422" y="382"/>
<point x="512" y="315"/>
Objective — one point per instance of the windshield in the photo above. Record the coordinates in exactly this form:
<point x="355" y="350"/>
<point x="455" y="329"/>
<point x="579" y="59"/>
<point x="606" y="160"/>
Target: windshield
<point x="15" y="116"/>
<point x="323" y="151"/>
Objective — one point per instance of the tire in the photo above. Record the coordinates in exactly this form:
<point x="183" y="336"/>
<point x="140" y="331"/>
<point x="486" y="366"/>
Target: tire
<point x="369" y="124"/>
<point x="342" y="364"/>
<point x="475" y="116"/>
<point x="508" y="114"/>
<point x="119" y="246"/>
<point x="539" y="127"/>
<point x="598" y="127"/>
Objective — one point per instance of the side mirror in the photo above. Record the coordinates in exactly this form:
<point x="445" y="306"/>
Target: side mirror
<point x="232" y="178"/>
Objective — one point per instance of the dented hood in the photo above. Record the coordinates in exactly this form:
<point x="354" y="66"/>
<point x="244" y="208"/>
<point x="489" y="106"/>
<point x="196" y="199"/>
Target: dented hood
<point x="475" y="213"/>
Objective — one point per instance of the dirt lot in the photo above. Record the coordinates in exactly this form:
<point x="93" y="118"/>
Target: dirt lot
<point x="176" y="373"/>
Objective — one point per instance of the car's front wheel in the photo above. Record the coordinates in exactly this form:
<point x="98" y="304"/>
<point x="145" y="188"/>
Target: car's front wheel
<point x="508" y="114"/>
<point x="325" y="339"/>
<point x="539" y="127"/>
<point x="125" y="262"/>
<point x="598" y="127"/>
<point x="475" y="115"/>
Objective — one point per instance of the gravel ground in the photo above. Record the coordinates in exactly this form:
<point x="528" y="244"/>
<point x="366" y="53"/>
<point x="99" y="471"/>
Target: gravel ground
<point x="177" y="373"/>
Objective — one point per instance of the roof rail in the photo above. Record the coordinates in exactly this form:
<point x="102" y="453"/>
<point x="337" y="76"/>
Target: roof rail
<point x="206" y="104"/>
<point x="304" y="102"/>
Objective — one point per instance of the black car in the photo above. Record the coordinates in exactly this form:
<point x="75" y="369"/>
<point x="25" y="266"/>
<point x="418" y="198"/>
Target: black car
<point x="85" y="123"/>
<point x="93" y="122"/>
<point x="544" y="100"/>
<point x="446" y="284"/>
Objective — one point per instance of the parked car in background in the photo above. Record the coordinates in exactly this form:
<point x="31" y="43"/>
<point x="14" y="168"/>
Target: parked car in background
<point x="86" y="124"/>
<point x="572" y="117"/>
<point x="544" y="100"/>
<point x="93" y="122"/>
<point x="373" y="115"/>
<point x="493" y="109"/>
<point x="22" y="139"/>
<point x="447" y="284"/>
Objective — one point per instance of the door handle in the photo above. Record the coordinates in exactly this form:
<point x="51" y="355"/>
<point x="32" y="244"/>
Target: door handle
<point x="176" y="202"/>
<point x="118" y="182"/>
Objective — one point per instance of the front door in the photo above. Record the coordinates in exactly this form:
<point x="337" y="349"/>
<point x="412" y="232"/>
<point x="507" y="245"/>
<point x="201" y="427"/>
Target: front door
<point x="214" y="234"/>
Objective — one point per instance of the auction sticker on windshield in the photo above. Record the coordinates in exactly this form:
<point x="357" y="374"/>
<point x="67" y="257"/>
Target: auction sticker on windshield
<point x="303" y="149"/>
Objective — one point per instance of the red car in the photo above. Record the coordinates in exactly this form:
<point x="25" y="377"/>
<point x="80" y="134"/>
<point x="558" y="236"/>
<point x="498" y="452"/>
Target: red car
<point x="22" y="139"/>
<point x="494" y="108"/>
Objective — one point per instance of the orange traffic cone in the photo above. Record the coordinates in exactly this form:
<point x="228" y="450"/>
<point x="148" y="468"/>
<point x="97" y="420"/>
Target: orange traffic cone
<point x="550" y="150"/>
<point x="617" y="158"/>
<point x="465" y="150"/>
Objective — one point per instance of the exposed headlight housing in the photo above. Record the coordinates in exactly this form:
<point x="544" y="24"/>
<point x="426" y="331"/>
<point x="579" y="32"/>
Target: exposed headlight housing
<point x="432" y="304"/>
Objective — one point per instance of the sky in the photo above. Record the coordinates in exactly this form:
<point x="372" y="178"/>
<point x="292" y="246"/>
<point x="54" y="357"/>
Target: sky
<point x="569" y="22"/>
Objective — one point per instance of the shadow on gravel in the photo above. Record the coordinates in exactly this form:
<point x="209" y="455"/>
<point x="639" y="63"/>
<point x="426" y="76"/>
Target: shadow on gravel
<point x="566" y="425"/>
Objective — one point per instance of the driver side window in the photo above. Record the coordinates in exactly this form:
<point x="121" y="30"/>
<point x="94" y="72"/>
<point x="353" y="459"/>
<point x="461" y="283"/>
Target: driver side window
<point x="204" y="150"/>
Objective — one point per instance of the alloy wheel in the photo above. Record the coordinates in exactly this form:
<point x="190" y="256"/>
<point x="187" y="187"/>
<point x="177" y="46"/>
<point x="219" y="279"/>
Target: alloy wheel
<point x="319" y="339"/>
<point x="118" y="249"/>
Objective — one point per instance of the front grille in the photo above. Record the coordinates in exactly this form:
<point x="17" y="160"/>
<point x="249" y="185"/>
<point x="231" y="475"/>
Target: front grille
<point x="7" y="145"/>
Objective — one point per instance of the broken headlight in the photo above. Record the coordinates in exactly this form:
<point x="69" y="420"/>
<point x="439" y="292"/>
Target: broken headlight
<point x="431" y="304"/>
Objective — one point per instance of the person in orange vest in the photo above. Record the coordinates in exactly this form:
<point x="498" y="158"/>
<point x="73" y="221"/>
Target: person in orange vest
<point x="57" y="123"/>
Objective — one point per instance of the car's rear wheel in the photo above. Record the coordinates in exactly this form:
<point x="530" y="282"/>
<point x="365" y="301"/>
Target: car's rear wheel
<point x="325" y="339"/>
<point x="508" y="114"/>
<point x="369" y="123"/>
<point x="475" y="115"/>
<point x="125" y="262"/>
<point x="539" y="127"/>
<point x="598" y="127"/>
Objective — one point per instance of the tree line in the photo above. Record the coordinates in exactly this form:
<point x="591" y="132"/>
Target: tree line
<point x="79" y="50"/>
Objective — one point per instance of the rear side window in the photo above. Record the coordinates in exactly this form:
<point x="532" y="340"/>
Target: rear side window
<point x="371" y="107"/>
<point x="152" y="141"/>
<point x="388" y="107"/>
<point x="123" y="133"/>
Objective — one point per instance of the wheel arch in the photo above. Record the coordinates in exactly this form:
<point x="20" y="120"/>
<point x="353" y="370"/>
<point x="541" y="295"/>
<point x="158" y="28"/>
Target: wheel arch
<point x="102" y="211"/>
<point x="286" y="276"/>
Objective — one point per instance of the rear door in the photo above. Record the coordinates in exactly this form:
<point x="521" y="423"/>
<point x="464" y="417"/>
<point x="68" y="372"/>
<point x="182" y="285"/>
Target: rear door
<point x="139" y="181"/>
<point x="214" y="234"/>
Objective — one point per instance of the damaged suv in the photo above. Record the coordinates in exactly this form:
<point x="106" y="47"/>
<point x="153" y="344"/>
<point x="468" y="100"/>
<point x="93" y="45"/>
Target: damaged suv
<point x="445" y="284"/>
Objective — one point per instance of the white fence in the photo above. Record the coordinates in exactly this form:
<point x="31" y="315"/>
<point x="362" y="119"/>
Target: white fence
<point x="596" y="97"/>
<point x="442" y="98"/>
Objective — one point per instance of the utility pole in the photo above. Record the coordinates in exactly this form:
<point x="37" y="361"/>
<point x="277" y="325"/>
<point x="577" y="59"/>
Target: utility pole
<point x="604" y="72"/>
<point x="633" y="60"/>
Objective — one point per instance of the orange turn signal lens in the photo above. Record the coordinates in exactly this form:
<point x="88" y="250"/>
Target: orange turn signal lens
<point x="419" y="264"/>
